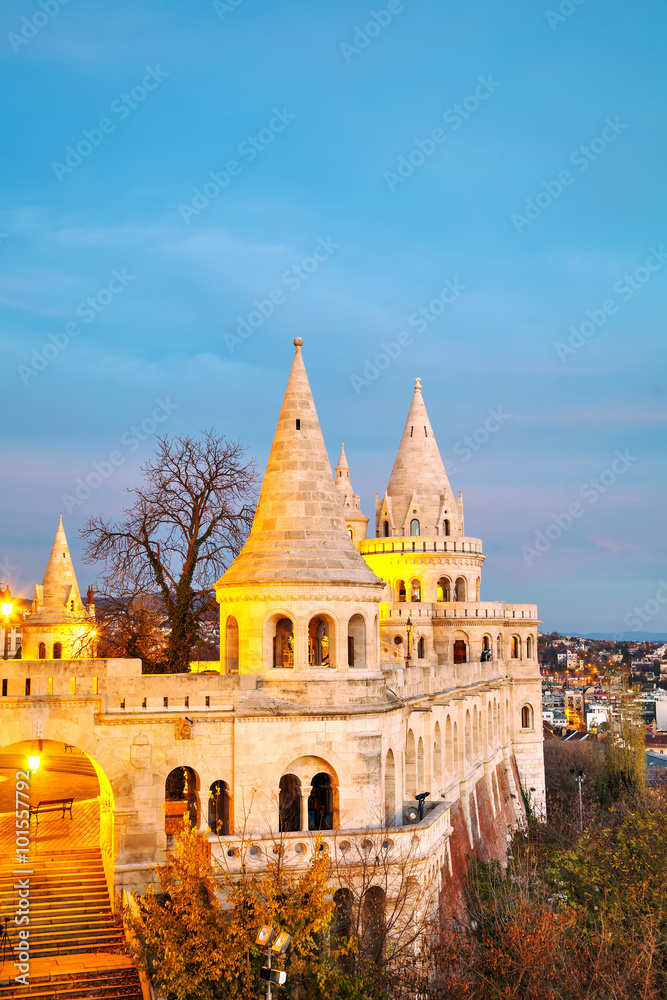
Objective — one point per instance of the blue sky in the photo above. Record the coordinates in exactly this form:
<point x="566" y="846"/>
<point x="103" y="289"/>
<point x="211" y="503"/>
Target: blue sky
<point x="534" y="199"/>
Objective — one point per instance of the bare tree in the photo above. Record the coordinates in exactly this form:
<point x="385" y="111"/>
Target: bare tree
<point x="131" y="624"/>
<point x="190" y="517"/>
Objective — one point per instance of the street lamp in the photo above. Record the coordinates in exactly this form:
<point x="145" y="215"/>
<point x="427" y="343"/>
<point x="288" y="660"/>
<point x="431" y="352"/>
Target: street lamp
<point x="579" y="778"/>
<point x="409" y="628"/>
<point x="6" y="607"/>
<point x="35" y="759"/>
<point x="278" y="947"/>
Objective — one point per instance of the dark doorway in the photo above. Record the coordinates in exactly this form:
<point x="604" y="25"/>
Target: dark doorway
<point x="289" y="804"/>
<point x="460" y="652"/>
<point x="218" y="808"/>
<point x="320" y="803"/>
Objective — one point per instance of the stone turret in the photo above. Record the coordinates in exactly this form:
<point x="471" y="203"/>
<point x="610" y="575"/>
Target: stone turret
<point x="59" y="626"/>
<point x="418" y="499"/>
<point x="355" y="519"/>
<point x="287" y="599"/>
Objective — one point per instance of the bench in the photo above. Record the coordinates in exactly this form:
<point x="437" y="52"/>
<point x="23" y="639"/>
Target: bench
<point x="52" y="805"/>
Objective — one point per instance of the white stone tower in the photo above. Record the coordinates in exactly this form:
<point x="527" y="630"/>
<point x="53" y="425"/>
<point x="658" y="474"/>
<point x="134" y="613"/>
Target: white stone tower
<point x="298" y="597"/>
<point x="60" y="625"/>
<point x="355" y="519"/>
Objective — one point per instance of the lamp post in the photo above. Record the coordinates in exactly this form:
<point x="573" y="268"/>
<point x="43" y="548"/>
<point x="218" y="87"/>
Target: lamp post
<point x="278" y="947"/>
<point x="579" y="778"/>
<point x="6" y="607"/>
<point x="409" y="628"/>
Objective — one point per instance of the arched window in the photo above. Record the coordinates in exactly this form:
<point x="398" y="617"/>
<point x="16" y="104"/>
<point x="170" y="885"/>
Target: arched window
<point x="356" y="642"/>
<point x="42" y="651"/>
<point x="389" y="787"/>
<point x="414" y="526"/>
<point x="529" y="647"/>
<point x="468" y="740"/>
<point x="350" y="533"/>
<point x="385" y="529"/>
<point x="526" y="717"/>
<point x="449" y="748"/>
<point x="180" y="793"/>
<point x="289" y="804"/>
<point x="415" y="591"/>
<point x="514" y="647"/>
<point x="321" y="803"/>
<point x="232" y="646"/>
<point x="445" y="527"/>
<point x="341" y="928"/>
<point x="487" y="652"/>
<point x="319" y="642"/>
<point x="400" y="589"/>
<point x="437" y="755"/>
<point x="420" y="648"/>
<point x="218" y="808"/>
<point x="283" y="643"/>
<point x="460" y="651"/>
<point x="373" y="923"/>
<point x="499" y="647"/>
<point x="420" y="765"/>
<point x="57" y="651"/>
<point x="410" y="766"/>
<point x="460" y="590"/>
<point x="444" y="591"/>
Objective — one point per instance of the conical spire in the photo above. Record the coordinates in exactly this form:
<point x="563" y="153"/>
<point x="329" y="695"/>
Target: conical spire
<point x="342" y="461"/>
<point x="299" y="532"/>
<point x="342" y="479"/>
<point x="59" y="587"/>
<point x="418" y="480"/>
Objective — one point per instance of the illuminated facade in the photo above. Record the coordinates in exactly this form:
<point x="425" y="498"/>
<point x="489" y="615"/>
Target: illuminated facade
<point x="354" y="673"/>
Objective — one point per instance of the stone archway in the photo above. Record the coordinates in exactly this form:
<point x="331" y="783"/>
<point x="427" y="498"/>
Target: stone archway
<point x="120" y="824"/>
<point x="70" y="797"/>
<point x="318" y="785"/>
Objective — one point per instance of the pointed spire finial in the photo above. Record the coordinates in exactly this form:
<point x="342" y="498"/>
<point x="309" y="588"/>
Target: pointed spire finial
<point x="342" y="461"/>
<point x="298" y="342"/>
<point x="418" y="385"/>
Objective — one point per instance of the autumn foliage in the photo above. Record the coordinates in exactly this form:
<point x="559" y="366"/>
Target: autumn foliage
<point x="571" y="916"/>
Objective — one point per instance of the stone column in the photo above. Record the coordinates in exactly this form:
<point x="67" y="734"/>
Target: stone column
<point x="305" y="794"/>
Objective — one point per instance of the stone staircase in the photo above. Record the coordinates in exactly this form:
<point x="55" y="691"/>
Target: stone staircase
<point x="113" y="984"/>
<point x="70" y="915"/>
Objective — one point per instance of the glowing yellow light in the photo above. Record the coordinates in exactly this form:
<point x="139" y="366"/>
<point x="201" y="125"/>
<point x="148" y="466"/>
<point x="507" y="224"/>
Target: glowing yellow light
<point x="6" y="609"/>
<point x="33" y="763"/>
